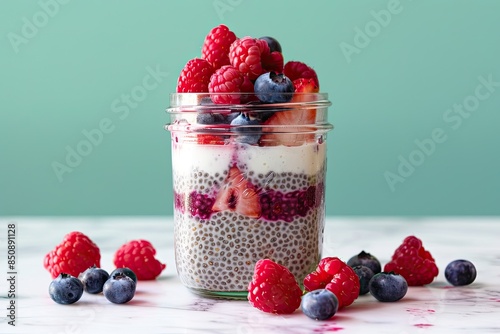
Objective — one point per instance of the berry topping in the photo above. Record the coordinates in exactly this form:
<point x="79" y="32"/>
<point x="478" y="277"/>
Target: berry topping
<point x="208" y="139"/>
<point x="273" y="43"/>
<point x="296" y="69"/>
<point x="460" y="272"/>
<point x="195" y="76"/>
<point x="273" y="288"/>
<point x="248" y="129"/>
<point x="238" y="195"/>
<point x="139" y="256"/>
<point x="226" y="79"/>
<point x="65" y="289"/>
<point x="119" y="289"/>
<point x="388" y="287"/>
<point x="273" y="87"/>
<point x="365" y="274"/>
<point x="75" y="254"/>
<point x="367" y="260"/>
<point x="215" y="49"/>
<point x="210" y="118"/>
<point x="334" y="275"/>
<point x="285" y="133"/>
<point x="250" y="56"/>
<point x="413" y="262"/>
<point x="319" y="304"/>
<point x="93" y="279"/>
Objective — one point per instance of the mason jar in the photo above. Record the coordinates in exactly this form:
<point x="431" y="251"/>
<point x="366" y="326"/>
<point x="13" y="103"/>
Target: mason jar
<point x="248" y="184"/>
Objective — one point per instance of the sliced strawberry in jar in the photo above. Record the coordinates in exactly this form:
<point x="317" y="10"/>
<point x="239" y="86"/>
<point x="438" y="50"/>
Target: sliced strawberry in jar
<point x="281" y="123"/>
<point x="238" y="195"/>
<point x="208" y="139"/>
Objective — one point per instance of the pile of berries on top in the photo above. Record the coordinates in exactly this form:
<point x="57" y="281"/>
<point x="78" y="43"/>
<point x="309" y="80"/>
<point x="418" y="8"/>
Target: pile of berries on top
<point x="336" y="284"/>
<point x="74" y="265"/>
<point x="254" y="68"/>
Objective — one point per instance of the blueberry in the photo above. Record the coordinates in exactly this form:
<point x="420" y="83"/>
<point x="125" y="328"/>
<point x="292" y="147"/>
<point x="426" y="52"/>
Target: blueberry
<point x="365" y="274"/>
<point x="319" y="304"/>
<point x="388" y="286"/>
<point x="125" y="271"/>
<point x="65" y="289"/>
<point x="367" y="260"/>
<point x="119" y="288"/>
<point x="93" y="279"/>
<point x="460" y="272"/>
<point x="247" y="128"/>
<point x="274" y="45"/>
<point x="210" y="118"/>
<point x="273" y="87"/>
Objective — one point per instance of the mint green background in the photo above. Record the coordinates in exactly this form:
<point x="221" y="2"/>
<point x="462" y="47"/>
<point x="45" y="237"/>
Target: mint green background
<point x="393" y="92"/>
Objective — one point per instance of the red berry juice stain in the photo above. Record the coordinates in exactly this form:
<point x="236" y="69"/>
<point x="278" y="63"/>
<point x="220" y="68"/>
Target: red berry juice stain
<point x="418" y="311"/>
<point x="325" y="328"/>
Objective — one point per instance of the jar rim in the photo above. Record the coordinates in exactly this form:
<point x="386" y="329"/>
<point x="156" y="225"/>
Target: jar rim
<point x="202" y="102"/>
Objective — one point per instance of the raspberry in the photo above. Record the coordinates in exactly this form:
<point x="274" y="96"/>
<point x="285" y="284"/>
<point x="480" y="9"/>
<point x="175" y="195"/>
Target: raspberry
<point x="273" y="62"/>
<point x="139" y="256"/>
<point x="273" y="288"/>
<point x="296" y="70"/>
<point x="246" y="55"/>
<point x="215" y="49"/>
<point x="195" y="76"/>
<point x="413" y="262"/>
<point x="75" y="254"/>
<point x="334" y="275"/>
<point x="226" y="79"/>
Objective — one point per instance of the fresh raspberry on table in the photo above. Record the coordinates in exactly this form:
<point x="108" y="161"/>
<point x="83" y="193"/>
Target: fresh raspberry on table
<point x="215" y="48"/>
<point x="335" y="275"/>
<point x="297" y="69"/>
<point x="75" y="254"/>
<point x="413" y="262"/>
<point x="273" y="288"/>
<point x="195" y="76"/>
<point x="247" y="54"/>
<point x="139" y="256"/>
<point x="226" y="79"/>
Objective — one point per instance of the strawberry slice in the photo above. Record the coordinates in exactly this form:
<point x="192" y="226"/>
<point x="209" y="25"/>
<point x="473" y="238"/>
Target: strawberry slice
<point x="207" y="139"/>
<point x="238" y="195"/>
<point x="289" y="135"/>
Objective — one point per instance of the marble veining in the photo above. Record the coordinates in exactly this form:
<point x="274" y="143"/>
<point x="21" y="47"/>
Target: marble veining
<point x="165" y="306"/>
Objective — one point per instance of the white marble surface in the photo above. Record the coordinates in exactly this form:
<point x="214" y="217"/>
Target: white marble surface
<point x="165" y="306"/>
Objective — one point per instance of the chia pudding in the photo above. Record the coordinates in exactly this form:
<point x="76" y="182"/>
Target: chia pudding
<point x="238" y="203"/>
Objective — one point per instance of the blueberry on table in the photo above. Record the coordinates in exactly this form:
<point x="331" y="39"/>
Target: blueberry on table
<point x="93" y="279"/>
<point x="272" y="87"/>
<point x="388" y="286"/>
<point x="65" y="289"/>
<point x="125" y="271"/>
<point x="320" y="304"/>
<point x="460" y="272"/>
<point x="119" y="289"/>
<point x="365" y="274"/>
<point x="367" y="260"/>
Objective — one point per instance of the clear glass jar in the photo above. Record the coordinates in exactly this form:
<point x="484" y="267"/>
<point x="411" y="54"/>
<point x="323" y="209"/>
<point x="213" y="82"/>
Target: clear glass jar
<point x="248" y="184"/>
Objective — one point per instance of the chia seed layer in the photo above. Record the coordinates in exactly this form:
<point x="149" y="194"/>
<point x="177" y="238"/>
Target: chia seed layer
<point x="217" y="251"/>
<point x="219" y="254"/>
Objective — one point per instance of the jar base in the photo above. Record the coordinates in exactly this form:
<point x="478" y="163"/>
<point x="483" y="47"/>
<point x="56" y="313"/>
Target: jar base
<point x="234" y="295"/>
